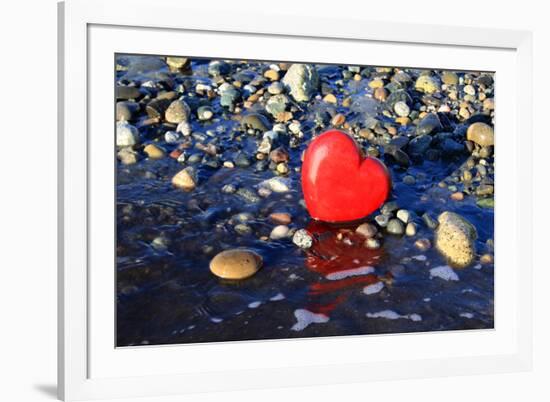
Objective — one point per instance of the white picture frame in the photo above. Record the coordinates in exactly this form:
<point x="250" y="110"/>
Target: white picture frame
<point x="89" y="368"/>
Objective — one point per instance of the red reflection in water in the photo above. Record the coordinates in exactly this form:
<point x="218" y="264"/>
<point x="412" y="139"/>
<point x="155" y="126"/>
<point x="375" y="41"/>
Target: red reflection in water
<point x="340" y="258"/>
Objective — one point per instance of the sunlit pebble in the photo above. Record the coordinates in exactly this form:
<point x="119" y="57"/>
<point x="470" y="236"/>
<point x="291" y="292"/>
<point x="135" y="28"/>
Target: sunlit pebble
<point x="486" y="259"/>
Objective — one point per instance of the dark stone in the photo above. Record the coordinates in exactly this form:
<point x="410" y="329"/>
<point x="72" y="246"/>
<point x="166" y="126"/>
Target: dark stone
<point x="127" y="93"/>
<point x="430" y="124"/>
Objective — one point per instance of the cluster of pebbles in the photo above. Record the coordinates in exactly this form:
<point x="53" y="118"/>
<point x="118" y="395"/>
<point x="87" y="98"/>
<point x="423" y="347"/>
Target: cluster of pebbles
<point x="197" y="118"/>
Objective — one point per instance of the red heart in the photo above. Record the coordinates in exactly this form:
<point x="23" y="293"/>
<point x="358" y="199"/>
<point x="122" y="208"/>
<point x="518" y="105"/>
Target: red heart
<point x="338" y="182"/>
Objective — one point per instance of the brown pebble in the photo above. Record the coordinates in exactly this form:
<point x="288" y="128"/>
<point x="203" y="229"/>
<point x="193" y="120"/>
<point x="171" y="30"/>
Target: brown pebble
<point x="176" y="153"/>
<point x="282" y="218"/>
<point x="271" y="75"/>
<point x="338" y="120"/>
<point x="235" y="264"/>
<point x="380" y="94"/>
<point x="185" y="179"/>
<point x="330" y="98"/>
<point x="486" y="259"/>
<point x="458" y="196"/>
<point x="153" y="152"/>
<point x="279" y="155"/>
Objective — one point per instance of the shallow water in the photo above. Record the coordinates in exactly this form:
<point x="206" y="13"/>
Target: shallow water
<point x="167" y="294"/>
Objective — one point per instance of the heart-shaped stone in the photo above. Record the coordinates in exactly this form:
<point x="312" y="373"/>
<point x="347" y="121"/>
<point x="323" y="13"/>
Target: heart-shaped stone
<point x="338" y="182"/>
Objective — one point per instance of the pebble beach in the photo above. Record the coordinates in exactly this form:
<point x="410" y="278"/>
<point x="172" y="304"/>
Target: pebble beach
<point x="214" y="241"/>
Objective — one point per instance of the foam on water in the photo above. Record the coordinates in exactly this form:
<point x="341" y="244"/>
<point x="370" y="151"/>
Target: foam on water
<point x="306" y="318"/>
<point x="444" y="272"/>
<point x="334" y="276"/>
<point x="254" y="304"/>
<point x="392" y="315"/>
<point x="277" y="297"/>
<point x="374" y="288"/>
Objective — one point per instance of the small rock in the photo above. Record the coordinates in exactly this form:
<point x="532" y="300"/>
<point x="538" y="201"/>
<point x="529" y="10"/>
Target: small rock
<point x="427" y="84"/>
<point x="389" y="207"/>
<point x="420" y="144"/>
<point x="409" y="180"/>
<point x="229" y="189"/>
<point x="275" y="88"/>
<point x="277" y="184"/>
<point x="236" y="264"/>
<point x="302" y="239"/>
<point x="410" y="230"/>
<point x="271" y="75"/>
<point x="178" y="63"/>
<point x="455" y="239"/>
<point x="366" y="230"/>
<point x="127" y="156"/>
<point x="486" y="259"/>
<point x="429" y="221"/>
<point x="185" y="179"/>
<point x="380" y="94"/>
<point x="470" y="90"/>
<point x="218" y="67"/>
<point x="403" y="215"/>
<point x="279" y="155"/>
<point x="372" y="243"/>
<point x="429" y="124"/>
<point x="177" y="112"/>
<point x="481" y="133"/>
<point x="330" y="98"/>
<point x="395" y="227"/>
<point x="279" y="232"/>
<point x="126" y="134"/>
<point x="125" y="111"/>
<point x="457" y="196"/>
<point x="338" y="120"/>
<point x="449" y="78"/>
<point x="276" y="104"/>
<point x="255" y="121"/>
<point x="302" y="81"/>
<point x="282" y="218"/>
<point x="382" y="220"/>
<point x="205" y="113"/>
<point x="153" y="151"/>
<point x="401" y="109"/>
<point x="282" y="168"/>
<point x="248" y="195"/>
<point x="243" y="229"/>
<point x="171" y="137"/>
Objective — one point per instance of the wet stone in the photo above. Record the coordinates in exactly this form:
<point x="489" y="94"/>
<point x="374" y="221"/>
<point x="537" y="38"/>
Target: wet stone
<point x="236" y="264"/>
<point x="395" y="227"/>
<point x="455" y="239"/>
<point x="302" y="239"/>
<point x="248" y="195"/>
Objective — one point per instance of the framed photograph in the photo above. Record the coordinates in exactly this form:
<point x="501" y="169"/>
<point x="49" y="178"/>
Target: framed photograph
<point x="247" y="204"/>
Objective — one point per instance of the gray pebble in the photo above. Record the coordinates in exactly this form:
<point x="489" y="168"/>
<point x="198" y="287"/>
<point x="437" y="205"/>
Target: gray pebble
<point x="396" y="227"/>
